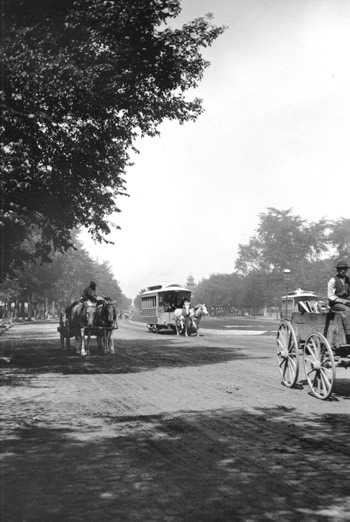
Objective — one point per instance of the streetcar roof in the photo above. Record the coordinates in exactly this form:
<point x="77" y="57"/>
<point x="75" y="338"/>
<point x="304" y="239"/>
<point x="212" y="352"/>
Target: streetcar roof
<point x="156" y="289"/>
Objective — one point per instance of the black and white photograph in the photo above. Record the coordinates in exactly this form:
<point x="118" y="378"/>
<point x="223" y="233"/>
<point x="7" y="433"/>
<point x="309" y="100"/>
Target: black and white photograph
<point x="174" y="260"/>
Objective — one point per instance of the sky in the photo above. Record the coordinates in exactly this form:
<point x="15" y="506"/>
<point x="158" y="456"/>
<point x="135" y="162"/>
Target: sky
<point x="275" y="133"/>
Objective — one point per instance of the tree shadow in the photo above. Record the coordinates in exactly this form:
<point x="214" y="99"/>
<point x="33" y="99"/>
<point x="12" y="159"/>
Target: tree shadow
<point x="131" y="357"/>
<point x="342" y="388"/>
<point x="271" y="464"/>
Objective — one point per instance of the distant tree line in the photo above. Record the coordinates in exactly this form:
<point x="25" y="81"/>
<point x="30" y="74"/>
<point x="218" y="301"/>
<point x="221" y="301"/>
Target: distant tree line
<point x="282" y="241"/>
<point x="49" y="287"/>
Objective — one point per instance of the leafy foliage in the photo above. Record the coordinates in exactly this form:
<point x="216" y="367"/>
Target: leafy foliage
<point x="283" y="240"/>
<point x="339" y="236"/>
<point x="81" y="79"/>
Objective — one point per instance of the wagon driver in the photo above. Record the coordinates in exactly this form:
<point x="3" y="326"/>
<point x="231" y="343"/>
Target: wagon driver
<point x="89" y="293"/>
<point x="339" y="295"/>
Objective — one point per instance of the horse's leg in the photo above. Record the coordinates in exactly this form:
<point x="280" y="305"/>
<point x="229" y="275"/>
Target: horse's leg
<point x="83" y="351"/>
<point x="105" y="345"/>
<point x="198" y="325"/>
<point x="77" y="344"/>
<point x="88" y="344"/>
<point x="111" y="342"/>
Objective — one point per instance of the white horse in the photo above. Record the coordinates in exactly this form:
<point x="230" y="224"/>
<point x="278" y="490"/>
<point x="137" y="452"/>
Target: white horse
<point x="183" y="318"/>
<point x="199" y="311"/>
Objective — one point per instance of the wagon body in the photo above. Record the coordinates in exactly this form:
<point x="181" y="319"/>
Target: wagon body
<point x="311" y="331"/>
<point x="330" y="324"/>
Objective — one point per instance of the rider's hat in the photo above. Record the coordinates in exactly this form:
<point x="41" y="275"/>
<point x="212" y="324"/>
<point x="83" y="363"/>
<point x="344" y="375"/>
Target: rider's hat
<point x="342" y="264"/>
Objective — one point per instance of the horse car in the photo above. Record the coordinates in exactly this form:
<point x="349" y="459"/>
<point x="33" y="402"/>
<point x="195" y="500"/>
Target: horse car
<point x="158" y="305"/>
<point x="310" y="331"/>
<point x="169" y="307"/>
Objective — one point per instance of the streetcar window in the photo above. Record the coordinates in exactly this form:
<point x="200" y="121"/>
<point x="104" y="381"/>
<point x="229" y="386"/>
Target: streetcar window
<point x="148" y="302"/>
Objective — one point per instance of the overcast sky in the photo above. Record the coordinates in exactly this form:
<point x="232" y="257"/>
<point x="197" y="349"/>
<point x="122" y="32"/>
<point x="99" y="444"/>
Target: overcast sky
<point x="275" y="132"/>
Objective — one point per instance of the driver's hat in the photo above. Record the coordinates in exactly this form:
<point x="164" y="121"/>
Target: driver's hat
<point x="342" y="264"/>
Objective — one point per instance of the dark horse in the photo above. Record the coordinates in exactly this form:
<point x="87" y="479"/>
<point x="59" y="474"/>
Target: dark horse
<point x="79" y="316"/>
<point x="106" y="316"/>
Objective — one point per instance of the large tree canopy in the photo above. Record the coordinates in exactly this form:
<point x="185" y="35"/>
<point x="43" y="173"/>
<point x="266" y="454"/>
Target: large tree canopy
<point x="80" y="80"/>
<point x="283" y="240"/>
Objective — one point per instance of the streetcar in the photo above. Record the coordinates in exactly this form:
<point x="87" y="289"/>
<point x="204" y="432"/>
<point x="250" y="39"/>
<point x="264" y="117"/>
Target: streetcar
<point x="158" y="304"/>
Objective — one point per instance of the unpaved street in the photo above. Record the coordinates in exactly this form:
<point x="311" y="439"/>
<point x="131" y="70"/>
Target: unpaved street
<point x="167" y="429"/>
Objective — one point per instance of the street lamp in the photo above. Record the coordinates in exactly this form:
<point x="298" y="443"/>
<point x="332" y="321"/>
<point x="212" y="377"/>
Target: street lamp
<point x="286" y="274"/>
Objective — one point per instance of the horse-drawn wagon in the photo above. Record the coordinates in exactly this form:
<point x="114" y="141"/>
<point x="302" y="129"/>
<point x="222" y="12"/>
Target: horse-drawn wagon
<point x="310" y="331"/>
<point x="85" y="320"/>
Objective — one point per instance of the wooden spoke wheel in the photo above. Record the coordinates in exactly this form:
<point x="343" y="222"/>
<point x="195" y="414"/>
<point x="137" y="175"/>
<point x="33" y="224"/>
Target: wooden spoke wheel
<point x="319" y="365"/>
<point x="287" y="354"/>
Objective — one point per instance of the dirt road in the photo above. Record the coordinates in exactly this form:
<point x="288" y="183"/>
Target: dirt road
<point x="167" y="429"/>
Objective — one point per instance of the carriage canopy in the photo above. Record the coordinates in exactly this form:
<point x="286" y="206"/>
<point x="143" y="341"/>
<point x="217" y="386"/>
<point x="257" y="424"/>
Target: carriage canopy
<point x="301" y="301"/>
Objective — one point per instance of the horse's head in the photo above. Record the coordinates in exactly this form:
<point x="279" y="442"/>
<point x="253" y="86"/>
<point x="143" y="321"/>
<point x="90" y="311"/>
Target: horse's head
<point x="106" y="314"/>
<point x="200" y="310"/>
<point x="88" y="313"/>
<point x="110" y="313"/>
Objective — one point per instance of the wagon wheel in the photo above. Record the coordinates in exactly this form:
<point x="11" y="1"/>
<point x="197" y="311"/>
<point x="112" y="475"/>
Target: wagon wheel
<point x="154" y="328"/>
<point x="319" y="365"/>
<point x="287" y="354"/>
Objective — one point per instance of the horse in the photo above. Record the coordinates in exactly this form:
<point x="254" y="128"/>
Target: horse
<point x="106" y="316"/>
<point x="79" y="316"/>
<point x="199" y="311"/>
<point x="183" y="318"/>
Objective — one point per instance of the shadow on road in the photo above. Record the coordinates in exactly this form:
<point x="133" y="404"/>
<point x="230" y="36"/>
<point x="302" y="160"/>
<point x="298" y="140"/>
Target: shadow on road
<point x="218" y="466"/>
<point x="342" y="388"/>
<point x="131" y="357"/>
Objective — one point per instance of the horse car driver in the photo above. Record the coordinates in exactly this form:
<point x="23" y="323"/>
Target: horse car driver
<point x="339" y="295"/>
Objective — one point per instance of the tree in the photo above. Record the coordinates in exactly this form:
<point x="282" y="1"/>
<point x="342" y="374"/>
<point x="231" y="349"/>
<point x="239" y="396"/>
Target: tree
<point x="80" y="80"/>
<point x="62" y="280"/>
<point x="220" y="289"/>
<point x="283" y="240"/>
<point x="339" y="236"/>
